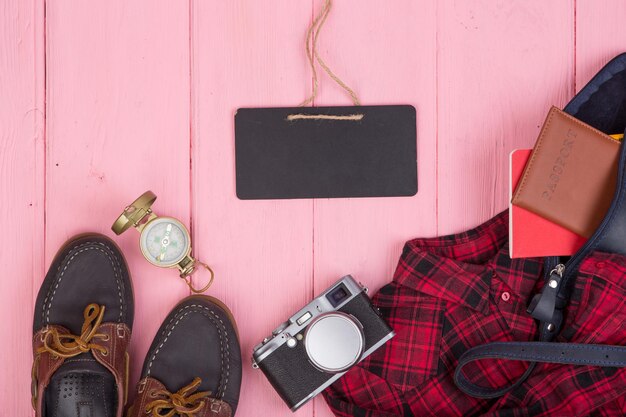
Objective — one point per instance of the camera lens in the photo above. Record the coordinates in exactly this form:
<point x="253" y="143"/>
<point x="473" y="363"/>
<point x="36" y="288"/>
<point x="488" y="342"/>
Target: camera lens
<point x="334" y="342"/>
<point x="338" y="295"/>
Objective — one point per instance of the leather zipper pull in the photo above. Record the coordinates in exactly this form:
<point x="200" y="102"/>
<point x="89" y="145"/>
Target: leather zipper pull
<point x="543" y="304"/>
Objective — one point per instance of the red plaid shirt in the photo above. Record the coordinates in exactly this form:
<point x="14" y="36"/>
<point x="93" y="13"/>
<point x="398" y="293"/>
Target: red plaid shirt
<point x="454" y="292"/>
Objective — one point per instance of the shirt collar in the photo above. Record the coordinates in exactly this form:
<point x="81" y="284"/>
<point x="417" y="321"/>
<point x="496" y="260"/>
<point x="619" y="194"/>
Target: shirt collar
<point x="445" y="278"/>
<point x="459" y="268"/>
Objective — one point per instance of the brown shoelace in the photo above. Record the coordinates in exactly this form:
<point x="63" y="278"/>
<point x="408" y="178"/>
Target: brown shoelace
<point x="183" y="402"/>
<point x="69" y="345"/>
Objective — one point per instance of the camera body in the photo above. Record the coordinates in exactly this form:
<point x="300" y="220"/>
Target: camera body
<point x="319" y="343"/>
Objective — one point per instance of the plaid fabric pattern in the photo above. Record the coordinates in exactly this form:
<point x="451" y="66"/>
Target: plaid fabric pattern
<point x="454" y="292"/>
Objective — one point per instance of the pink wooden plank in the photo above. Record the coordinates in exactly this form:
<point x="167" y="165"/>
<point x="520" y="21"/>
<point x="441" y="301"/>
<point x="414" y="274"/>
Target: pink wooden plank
<point x="364" y="236"/>
<point x="500" y="66"/>
<point x="387" y="54"/>
<point x="600" y="35"/>
<point x="21" y="192"/>
<point x="248" y="53"/>
<point x="118" y="124"/>
<point x="118" y="84"/>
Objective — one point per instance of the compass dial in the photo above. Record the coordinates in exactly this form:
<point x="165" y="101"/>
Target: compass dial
<point x="165" y="241"/>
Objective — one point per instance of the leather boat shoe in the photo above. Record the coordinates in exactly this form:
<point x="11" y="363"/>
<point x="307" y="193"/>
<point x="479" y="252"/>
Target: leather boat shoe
<point x="193" y="367"/>
<point x="81" y="330"/>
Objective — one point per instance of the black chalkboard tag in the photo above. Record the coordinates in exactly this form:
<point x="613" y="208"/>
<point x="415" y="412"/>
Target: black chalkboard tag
<point x="325" y="152"/>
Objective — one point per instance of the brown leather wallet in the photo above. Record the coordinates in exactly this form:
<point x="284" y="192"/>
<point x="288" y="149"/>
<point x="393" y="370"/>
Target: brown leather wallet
<point x="571" y="174"/>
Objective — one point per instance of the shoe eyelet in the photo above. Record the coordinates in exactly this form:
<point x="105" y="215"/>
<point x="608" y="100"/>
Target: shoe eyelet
<point x="43" y="334"/>
<point x="152" y="394"/>
<point x="120" y="331"/>
<point x="105" y="337"/>
<point x="105" y="352"/>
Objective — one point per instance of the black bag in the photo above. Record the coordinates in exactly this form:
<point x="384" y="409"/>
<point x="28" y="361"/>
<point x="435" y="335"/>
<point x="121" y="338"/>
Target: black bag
<point x="601" y="104"/>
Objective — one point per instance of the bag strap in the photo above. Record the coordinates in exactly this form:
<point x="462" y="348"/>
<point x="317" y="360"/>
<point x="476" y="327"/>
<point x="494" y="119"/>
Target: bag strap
<point x="534" y="352"/>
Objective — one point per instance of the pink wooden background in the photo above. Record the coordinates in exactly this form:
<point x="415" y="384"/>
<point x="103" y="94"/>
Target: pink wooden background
<point x="102" y="100"/>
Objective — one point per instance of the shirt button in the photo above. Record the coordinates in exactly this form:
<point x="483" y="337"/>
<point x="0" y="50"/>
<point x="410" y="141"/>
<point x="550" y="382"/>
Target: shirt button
<point x="506" y="296"/>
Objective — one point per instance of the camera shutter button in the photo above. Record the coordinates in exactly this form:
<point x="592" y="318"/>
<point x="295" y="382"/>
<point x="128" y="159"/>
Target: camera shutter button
<point x="292" y="342"/>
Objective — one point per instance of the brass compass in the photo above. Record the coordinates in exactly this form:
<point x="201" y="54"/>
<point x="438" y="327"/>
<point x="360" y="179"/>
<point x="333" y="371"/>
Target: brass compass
<point x="164" y="241"/>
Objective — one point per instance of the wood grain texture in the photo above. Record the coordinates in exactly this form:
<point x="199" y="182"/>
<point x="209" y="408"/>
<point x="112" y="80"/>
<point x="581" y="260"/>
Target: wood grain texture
<point x="600" y="36"/>
<point x="21" y="192"/>
<point x="118" y="125"/>
<point x="141" y="95"/>
<point x="364" y="236"/>
<point x="247" y="54"/>
<point x="501" y="65"/>
<point x="386" y="58"/>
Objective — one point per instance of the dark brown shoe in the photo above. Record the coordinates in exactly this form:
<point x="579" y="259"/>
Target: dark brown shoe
<point x="193" y="367"/>
<point x="81" y="330"/>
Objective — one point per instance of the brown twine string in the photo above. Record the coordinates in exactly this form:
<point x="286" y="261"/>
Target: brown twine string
<point x="312" y="55"/>
<point x="293" y="117"/>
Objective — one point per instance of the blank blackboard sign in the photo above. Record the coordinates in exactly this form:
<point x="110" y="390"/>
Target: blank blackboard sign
<point x="325" y="152"/>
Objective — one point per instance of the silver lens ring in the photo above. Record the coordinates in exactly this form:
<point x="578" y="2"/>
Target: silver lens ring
<point x="334" y="342"/>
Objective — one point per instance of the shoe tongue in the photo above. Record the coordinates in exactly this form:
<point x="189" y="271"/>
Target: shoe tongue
<point x="85" y="362"/>
<point x="81" y="386"/>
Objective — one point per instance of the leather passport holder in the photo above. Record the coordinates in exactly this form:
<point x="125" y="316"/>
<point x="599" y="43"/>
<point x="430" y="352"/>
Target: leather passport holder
<point x="531" y="235"/>
<point x="571" y="174"/>
<point x="325" y="152"/>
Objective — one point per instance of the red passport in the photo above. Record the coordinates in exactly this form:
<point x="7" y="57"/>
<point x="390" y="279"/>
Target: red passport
<point x="530" y="235"/>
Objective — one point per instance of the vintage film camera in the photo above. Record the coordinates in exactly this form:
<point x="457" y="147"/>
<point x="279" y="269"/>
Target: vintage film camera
<point x="319" y="343"/>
